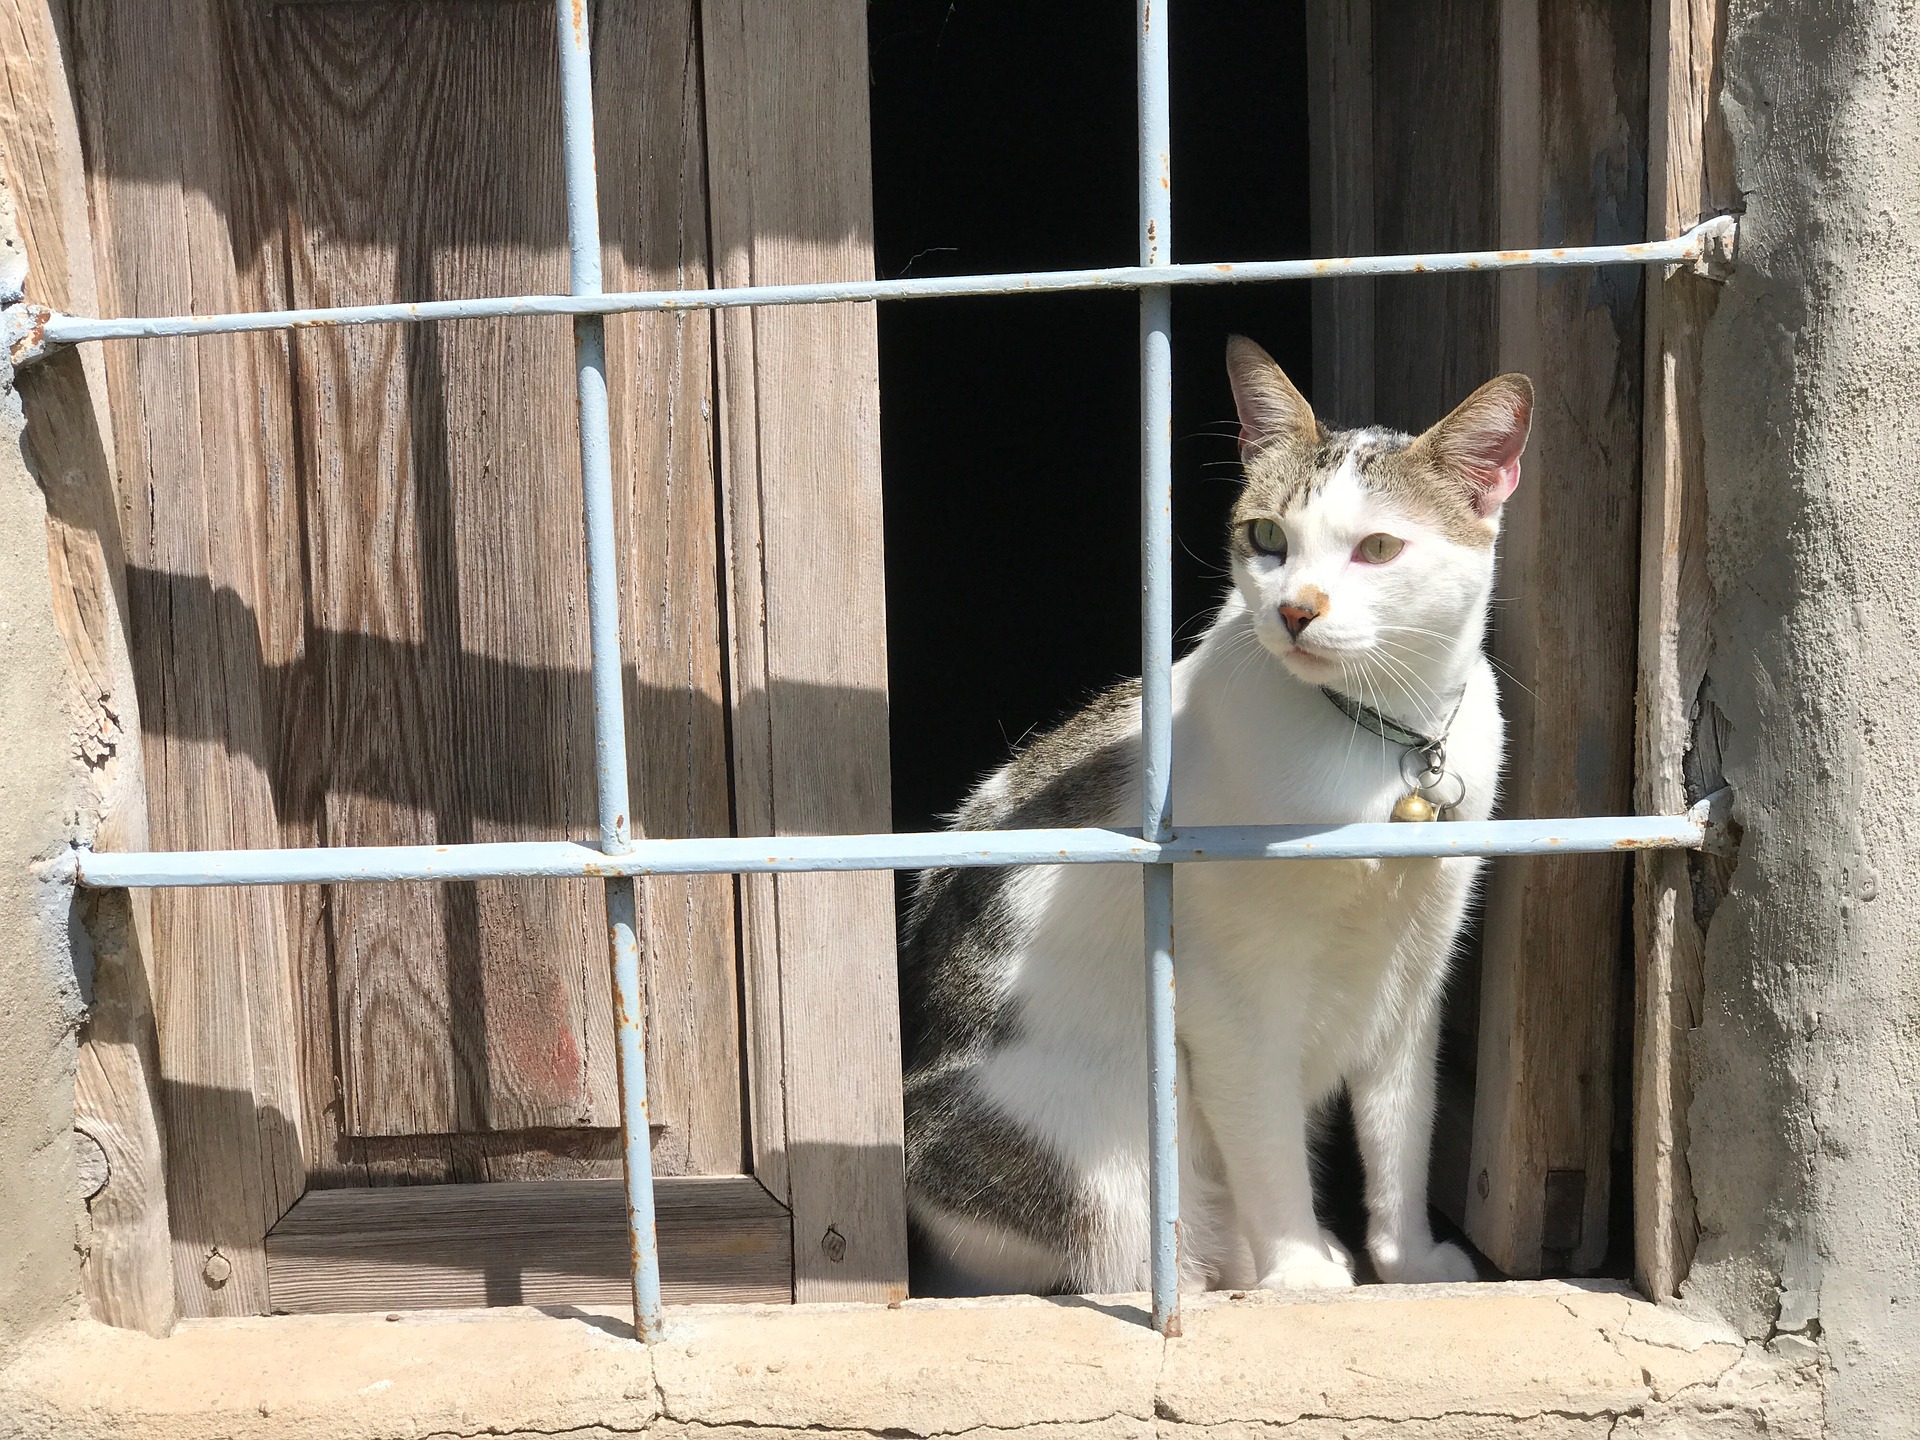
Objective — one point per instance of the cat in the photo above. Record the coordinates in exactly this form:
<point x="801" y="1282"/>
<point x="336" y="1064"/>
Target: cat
<point x="1362" y="562"/>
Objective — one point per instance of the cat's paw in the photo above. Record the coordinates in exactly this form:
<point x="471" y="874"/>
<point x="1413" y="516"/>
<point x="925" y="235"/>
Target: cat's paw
<point x="1440" y="1262"/>
<point x="1322" y="1264"/>
<point x="1331" y="1242"/>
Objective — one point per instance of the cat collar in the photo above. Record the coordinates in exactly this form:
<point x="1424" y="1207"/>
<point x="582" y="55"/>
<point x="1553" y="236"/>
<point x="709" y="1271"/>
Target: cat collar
<point x="1423" y="761"/>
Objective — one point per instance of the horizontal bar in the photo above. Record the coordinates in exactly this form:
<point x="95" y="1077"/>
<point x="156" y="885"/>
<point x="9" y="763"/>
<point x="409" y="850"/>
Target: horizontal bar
<point x="31" y="330"/>
<point x="565" y="860"/>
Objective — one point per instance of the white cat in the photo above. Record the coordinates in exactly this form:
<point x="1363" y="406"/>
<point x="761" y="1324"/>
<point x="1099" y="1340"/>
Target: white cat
<point x="1363" y="564"/>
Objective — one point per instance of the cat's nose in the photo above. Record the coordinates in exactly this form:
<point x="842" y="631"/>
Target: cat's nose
<point x="1296" y="618"/>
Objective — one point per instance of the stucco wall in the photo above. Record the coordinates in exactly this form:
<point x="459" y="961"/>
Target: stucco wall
<point x="41" y="1217"/>
<point x="1806" y="1123"/>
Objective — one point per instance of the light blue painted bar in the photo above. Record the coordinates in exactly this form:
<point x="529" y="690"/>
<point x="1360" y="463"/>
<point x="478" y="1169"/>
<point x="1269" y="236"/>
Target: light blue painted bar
<point x="31" y="329"/>
<point x="1156" y="662"/>
<point x="603" y="624"/>
<point x="565" y="860"/>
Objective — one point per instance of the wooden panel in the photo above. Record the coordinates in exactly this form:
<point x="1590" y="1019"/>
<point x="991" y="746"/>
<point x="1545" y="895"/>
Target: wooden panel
<point x="200" y="479"/>
<point x="1688" y="178"/>
<point x="1572" y="144"/>
<point x="551" y="1242"/>
<point x="357" y="595"/>
<point x="443" y="563"/>
<point x="652" y="154"/>
<point x="787" y="117"/>
<point x="731" y="206"/>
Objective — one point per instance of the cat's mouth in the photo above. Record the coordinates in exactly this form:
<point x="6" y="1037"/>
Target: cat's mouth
<point x="1308" y="663"/>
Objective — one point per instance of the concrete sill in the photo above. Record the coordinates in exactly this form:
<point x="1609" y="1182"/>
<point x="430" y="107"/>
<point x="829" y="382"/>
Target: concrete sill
<point x="1535" y="1359"/>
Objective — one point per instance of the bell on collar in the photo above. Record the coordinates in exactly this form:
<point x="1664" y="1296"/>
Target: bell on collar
<point x="1413" y="806"/>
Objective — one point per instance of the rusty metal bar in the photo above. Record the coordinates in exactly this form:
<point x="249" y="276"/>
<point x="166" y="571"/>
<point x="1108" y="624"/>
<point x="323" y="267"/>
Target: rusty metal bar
<point x="603" y="623"/>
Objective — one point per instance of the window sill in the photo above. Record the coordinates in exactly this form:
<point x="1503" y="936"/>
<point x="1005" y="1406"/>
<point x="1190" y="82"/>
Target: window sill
<point x="1533" y="1358"/>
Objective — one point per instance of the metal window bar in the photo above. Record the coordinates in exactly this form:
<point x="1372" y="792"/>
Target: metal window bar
<point x="31" y="331"/>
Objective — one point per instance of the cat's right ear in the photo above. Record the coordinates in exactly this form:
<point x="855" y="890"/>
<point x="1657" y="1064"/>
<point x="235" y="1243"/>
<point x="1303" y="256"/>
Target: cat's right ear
<point x="1272" y="412"/>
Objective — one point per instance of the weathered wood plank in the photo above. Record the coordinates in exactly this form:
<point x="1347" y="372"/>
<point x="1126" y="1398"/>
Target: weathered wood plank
<point x="440" y="510"/>
<point x="196" y="484"/>
<point x="1688" y="178"/>
<point x="444" y="557"/>
<point x="356" y="595"/>
<point x="651" y="144"/>
<point x="543" y="1243"/>
<point x="1572" y="142"/>
<point x="730" y="204"/>
<point x="786" y="106"/>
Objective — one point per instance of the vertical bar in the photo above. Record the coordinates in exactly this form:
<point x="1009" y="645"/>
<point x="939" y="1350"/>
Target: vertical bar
<point x="1156" y="660"/>
<point x="603" y="620"/>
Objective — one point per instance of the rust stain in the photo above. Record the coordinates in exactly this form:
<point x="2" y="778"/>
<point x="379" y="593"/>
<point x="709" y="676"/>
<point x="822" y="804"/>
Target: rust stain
<point x="35" y="339"/>
<point x="579" y="23"/>
<point x="1631" y="844"/>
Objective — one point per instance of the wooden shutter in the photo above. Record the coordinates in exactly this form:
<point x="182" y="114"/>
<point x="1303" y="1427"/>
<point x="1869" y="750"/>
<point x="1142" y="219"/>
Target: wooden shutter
<point x="356" y="601"/>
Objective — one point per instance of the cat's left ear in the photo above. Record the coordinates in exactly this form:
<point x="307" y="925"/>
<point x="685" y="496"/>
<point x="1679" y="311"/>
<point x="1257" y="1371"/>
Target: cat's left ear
<point x="1482" y="439"/>
<point x="1272" y="412"/>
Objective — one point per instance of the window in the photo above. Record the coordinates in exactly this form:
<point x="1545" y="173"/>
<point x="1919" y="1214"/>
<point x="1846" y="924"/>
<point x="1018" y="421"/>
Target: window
<point x="538" y="691"/>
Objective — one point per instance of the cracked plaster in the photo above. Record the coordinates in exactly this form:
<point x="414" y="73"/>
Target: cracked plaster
<point x="1533" y="1359"/>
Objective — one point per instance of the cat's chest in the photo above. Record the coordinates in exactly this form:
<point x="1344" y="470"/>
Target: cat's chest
<point x="1299" y="760"/>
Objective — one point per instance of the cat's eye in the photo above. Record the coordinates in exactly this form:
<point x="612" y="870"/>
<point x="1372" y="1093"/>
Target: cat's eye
<point x="1378" y="549"/>
<point x="1268" y="538"/>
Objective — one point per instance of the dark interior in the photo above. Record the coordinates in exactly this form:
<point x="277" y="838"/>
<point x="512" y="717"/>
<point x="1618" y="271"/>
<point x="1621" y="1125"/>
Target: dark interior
<point x="1004" y="139"/>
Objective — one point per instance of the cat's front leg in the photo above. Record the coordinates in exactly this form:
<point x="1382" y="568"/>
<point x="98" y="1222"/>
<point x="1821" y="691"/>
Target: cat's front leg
<point x="1258" y="1119"/>
<point x="1393" y="1118"/>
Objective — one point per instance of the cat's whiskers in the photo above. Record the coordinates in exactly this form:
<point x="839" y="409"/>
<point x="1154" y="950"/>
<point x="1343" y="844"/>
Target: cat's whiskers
<point x="1404" y="679"/>
<point x="1499" y="665"/>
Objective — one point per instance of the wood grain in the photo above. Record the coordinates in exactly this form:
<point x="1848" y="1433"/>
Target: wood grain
<point x="651" y="144"/>
<point x="196" y="474"/>
<point x="1572" y="107"/>
<point x="787" y="126"/>
<point x="552" y="1242"/>
<point x="356" y="593"/>
<point x="440" y="513"/>
<point x="1688" y="178"/>
<point x="730" y="204"/>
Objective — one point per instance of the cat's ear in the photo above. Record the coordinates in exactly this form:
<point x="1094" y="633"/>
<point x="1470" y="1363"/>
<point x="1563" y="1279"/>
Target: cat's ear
<point x="1482" y="439"/>
<point x="1272" y="412"/>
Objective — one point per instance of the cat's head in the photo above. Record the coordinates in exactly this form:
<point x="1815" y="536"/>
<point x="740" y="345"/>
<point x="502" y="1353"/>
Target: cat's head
<point x="1361" y="552"/>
